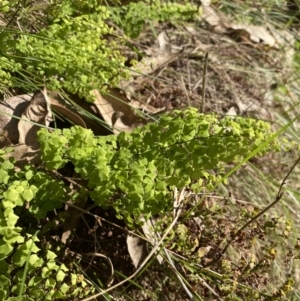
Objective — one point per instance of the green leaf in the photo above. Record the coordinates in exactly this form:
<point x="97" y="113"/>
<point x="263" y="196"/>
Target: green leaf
<point x="12" y="195"/>
<point x="63" y="268"/>
<point x="11" y="217"/>
<point x="7" y="165"/>
<point x="160" y="185"/>
<point x="16" y="288"/>
<point x="50" y="255"/>
<point x="37" y="293"/>
<point x="60" y="276"/>
<point x="4" y="268"/>
<point x="4" y="177"/>
<point x="56" y="162"/>
<point x="11" y="234"/>
<point x="34" y="281"/>
<point x="20" y="188"/>
<point x="5" y="282"/>
<point x="19" y="257"/>
<point x="12" y="299"/>
<point x="73" y="279"/>
<point x="36" y="261"/>
<point x="34" y="189"/>
<point x="135" y="197"/>
<point x="64" y="288"/>
<point x="21" y="254"/>
<point x="9" y="150"/>
<point x="29" y="174"/>
<point x="30" y="245"/>
<point x="5" y="249"/>
<point x="46" y="272"/>
<point x="28" y="195"/>
<point x="58" y="295"/>
<point x="51" y="264"/>
<point x="3" y="293"/>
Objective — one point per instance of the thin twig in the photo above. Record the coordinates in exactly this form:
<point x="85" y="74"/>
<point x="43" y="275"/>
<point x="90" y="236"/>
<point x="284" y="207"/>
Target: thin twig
<point x="256" y="217"/>
<point x="201" y="109"/>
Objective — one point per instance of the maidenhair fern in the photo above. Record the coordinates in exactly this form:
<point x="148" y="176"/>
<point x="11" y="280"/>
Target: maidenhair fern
<point x="133" y="172"/>
<point x="45" y="278"/>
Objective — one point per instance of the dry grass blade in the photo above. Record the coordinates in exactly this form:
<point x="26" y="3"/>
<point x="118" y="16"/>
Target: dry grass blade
<point x="179" y="277"/>
<point x="111" y="277"/>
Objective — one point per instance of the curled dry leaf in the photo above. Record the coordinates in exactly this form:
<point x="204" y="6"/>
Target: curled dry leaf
<point x="14" y="106"/>
<point x="59" y="104"/>
<point x="137" y="249"/>
<point x="256" y="34"/>
<point x="4" y="141"/>
<point x="20" y="119"/>
<point x="37" y="113"/>
<point x="78" y="111"/>
<point x="116" y="112"/>
<point x="145" y="107"/>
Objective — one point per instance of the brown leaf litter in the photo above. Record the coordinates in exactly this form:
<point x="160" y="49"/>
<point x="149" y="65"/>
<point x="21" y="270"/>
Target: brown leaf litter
<point x="244" y="62"/>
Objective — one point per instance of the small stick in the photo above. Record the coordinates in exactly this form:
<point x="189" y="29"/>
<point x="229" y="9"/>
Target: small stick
<point x="204" y="82"/>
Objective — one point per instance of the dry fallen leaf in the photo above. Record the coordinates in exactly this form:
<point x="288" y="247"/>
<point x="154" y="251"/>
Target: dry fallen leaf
<point x="25" y="154"/>
<point x="21" y="132"/>
<point x="215" y="19"/>
<point x="256" y="34"/>
<point x="13" y="106"/>
<point x="37" y="113"/>
<point x="137" y="249"/>
<point x="231" y="112"/>
<point x="66" y="110"/>
<point x="219" y="23"/>
<point x="4" y="141"/>
<point x="78" y="111"/>
<point x="116" y="112"/>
